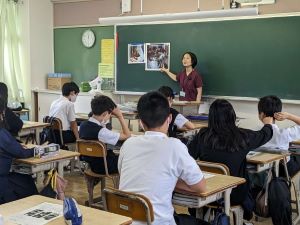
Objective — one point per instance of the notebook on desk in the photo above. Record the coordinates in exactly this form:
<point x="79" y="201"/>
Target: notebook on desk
<point x="198" y="117"/>
<point x="274" y="151"/>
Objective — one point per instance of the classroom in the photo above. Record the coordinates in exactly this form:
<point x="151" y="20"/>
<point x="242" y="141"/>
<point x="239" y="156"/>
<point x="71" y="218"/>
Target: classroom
<point x="86" y="85"/>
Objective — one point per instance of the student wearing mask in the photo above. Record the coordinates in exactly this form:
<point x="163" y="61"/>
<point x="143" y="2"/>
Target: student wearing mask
<point x="63" y="108"/>
<point x="154" y="164"/>
<point x="271" y="106"/>
<point x="95" y="129"/>
<point x="178" y="120"/>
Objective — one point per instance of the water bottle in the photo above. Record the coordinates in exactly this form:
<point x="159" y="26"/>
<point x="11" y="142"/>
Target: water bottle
<point x="1" y="220"/>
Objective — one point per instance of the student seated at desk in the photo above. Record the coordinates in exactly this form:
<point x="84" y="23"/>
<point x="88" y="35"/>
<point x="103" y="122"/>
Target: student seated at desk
<point x="271" y="106"/>
<point x="223" y="142"/>
<point x="95" y="129"/>
<point x="13" y="123"/>
<point x="154" y="164"/>
<point x="178" y="120"/>
<point x="63" y="109"/>
<point x="13" y="186"/>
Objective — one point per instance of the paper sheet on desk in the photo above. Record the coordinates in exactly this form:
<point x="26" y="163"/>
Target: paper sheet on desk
<point x="207" y="175"/>
<point x="38" y="215"/>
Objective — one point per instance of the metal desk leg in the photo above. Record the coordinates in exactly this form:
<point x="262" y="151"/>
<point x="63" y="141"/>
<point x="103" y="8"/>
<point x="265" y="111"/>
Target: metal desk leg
<point x="60" y="168"/>
<point x="227" y="201"/>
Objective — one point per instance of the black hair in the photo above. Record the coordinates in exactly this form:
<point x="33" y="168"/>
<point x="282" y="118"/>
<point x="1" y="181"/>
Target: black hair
<point x="166" y="91"/>
<point x="101" y="104"/>
<point x="193" y="58"/>
<point x="67" y="88"/>
<point x="153" y="109"/>
<point x="4" y="92"/>
<point x="269" y="105"/>
<point x="222" y="132"/>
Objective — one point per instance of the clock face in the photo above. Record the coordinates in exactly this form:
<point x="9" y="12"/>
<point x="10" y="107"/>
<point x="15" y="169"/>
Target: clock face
<point x="88" y="38"/>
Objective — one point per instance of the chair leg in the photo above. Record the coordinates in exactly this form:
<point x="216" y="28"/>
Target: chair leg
<point x="90" y="181"/>
<point x="238" y="216"/>
<point x="116" y="181"/>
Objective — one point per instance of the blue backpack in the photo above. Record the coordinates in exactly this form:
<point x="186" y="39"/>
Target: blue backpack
<point x="72" y="212"/>
<point x="221" y="219"/>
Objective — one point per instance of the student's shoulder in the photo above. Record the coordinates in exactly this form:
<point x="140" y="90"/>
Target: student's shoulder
<point x="176" y="144"/>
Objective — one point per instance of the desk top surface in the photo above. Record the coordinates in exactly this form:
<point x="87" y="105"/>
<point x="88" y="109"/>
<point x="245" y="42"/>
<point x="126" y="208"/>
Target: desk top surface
<point x="215" y="184"/>
<point x="297" y="142"/>
<point x="263" y="157"/>
<point x="33" y="124"/>
<point x="186" y="103"/>
<point x="62" y="154"/>
<point x="21" y="111"/>
<point x="89" y="215"/>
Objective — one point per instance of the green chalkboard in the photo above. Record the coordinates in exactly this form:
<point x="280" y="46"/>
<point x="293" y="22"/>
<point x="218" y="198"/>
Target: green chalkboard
<point x="71" y="56"/>
<point x="248" y="57"/>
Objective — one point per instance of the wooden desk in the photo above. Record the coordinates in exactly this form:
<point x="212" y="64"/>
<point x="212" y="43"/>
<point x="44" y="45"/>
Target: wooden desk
<point x="264" y="161"/>
<point x="296" y="142"/>
<point x="90" y="216"/>
<point x="190" y="133"/>
<point x="182" y="104"/>
<point x="217" y="187"/>
<point x="34" y="127"/>
<point x="35" y="165"/>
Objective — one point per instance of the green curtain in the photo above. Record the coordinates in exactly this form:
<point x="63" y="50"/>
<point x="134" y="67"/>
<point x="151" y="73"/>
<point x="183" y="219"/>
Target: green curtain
<point x="11" y="53"/>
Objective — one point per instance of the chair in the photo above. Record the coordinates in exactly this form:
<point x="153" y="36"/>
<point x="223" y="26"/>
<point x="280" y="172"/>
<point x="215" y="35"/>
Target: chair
<point x="136" y="206"/>
<point x="220" y="168"/>
<point x="95" y="149"/>
<point x="295" y="188"/>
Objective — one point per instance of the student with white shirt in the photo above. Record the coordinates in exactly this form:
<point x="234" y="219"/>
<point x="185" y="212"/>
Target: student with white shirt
<point x="178" y="120"/>
<point x="63" y="108"/>
<point x="95" y="129"/>
<point x="154" y="164"/>
<point x="271" y="106"/>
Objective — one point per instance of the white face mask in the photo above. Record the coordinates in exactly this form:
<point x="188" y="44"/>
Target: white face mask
<point x="142" y="126"/>
<point x="73" y="98"/>
<point x="104" y="122"/>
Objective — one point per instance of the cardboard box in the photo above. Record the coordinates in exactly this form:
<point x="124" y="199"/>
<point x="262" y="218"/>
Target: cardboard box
<point x="56" y="83"/>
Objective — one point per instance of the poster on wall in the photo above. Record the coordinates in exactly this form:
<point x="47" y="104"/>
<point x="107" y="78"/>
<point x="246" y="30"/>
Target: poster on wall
<point x="136" y="53"/>
<point x="157" y="56"/>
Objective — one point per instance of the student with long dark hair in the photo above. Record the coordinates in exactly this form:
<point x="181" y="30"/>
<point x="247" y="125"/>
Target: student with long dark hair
<point x="223" y="142"/>
<point x="13" y="186"/>
<point x="12" y="122"/>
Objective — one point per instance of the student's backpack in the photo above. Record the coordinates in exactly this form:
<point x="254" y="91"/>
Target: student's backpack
<point x="221" y="219"/>
<point x="279" y="201"/>
<point x="48" y="134"/>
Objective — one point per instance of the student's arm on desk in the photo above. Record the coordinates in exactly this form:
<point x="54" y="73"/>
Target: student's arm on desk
<point x="198" y="187"/>
<point x="74" y="128"/>
<point x="125" y="133"/>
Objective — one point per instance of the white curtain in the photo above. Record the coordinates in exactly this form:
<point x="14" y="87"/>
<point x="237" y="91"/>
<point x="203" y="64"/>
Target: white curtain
<point x="11" y="53"/>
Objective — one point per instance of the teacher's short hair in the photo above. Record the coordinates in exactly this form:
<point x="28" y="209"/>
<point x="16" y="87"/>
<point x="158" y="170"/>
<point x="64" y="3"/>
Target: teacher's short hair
<point x="193" y="58"/>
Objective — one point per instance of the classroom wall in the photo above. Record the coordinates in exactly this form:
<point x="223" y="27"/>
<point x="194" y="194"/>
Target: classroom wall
<point x="37" y="19"/>
<point x="88" y="12"/>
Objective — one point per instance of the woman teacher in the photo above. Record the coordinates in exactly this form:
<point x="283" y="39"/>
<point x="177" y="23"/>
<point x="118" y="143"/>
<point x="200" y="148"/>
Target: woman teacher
<point x="189" y="79"/>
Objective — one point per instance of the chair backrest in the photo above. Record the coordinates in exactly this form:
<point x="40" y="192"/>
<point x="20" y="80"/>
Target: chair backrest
<point x="92" y="148"/>
<point x="133" y="205"/>
<point x="212" y="167"/>
<point x="55" y="124"/>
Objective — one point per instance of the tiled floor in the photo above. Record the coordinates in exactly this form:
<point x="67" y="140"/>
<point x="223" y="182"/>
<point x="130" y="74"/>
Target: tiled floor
<point x="78" y="190"/>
